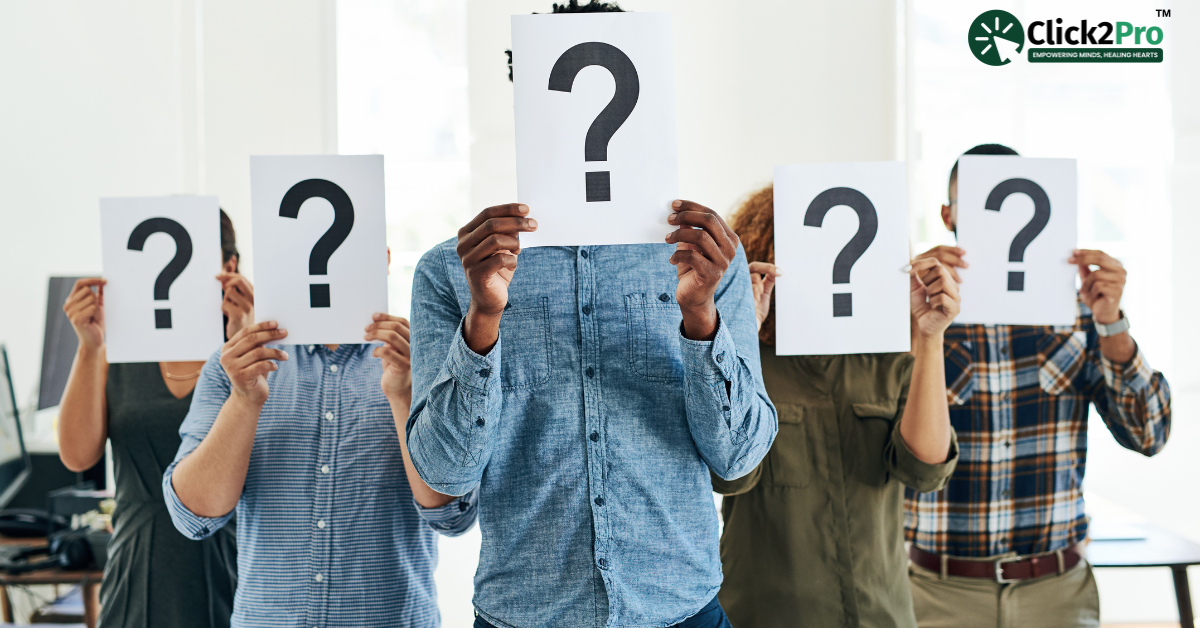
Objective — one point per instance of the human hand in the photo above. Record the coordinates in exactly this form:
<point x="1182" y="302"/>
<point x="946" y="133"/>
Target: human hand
<point x="238" y="302"/>
<point x="933" y="298"/>
<point x="1102" y="288"/>
<point x="85" y="310"/>
<point x="762" y="281"/>
<point x="393" y="332"/>
<point x="247" y="361"/>
<point x="488" y="247"/>
<point x="950" y="256"/>
<point x="702" y="255"/>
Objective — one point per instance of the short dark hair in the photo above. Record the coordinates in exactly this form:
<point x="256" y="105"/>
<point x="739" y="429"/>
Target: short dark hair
<point x="983" y="149"/>
<point x="228" y="239"/>
<point x="573" y="6"/>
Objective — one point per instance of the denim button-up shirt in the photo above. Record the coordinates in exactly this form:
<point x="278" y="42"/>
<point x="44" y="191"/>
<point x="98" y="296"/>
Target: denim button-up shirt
<point x="589" y="429"/>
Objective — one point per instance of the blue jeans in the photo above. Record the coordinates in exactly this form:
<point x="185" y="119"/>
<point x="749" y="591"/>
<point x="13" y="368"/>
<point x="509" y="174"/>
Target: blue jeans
<point x="711" y="616"/>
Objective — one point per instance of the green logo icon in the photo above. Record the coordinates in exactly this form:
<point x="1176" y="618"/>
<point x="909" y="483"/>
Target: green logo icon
<point x="996" y="37"/>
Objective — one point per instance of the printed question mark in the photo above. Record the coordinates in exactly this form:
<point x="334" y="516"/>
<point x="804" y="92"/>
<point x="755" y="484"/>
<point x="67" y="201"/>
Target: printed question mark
<point x="183" y="255"/>
<point x="343" y="222"/>
<point x="868" y="225"/>
<point x="595" y="146"/>
<point x="1041" y="216"/>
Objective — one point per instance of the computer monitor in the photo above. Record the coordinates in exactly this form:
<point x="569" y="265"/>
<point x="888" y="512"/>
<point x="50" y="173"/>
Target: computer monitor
<point x="14" y="460"/>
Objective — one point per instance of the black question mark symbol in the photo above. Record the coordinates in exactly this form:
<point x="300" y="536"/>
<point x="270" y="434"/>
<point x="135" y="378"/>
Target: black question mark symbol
<point x="343" y="222"/>
<point x="1041" y="216"/>
<point x="171" y="272"/>
<point x="595" y="146"/>
<point x="868" y="225"/>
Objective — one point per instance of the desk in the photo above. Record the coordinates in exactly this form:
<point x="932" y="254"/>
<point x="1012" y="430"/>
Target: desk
<point x="1151" y="546"/>
<point x="90" y="580"/>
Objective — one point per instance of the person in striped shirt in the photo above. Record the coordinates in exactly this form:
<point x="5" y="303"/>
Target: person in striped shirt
<point x="307" y="443"/>
<point x="1001" y="545"/>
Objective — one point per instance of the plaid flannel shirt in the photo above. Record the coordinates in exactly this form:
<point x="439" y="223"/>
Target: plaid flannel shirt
<point x="1019" y="402"/>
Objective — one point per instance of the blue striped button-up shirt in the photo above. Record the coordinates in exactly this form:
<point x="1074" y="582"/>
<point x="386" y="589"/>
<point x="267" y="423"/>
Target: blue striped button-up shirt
<point x="589" y="430"/>
<point x="328" y="532"/>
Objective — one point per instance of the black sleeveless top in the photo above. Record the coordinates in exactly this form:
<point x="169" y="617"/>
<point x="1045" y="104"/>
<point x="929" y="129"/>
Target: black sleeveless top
<point x="156" y="577"/>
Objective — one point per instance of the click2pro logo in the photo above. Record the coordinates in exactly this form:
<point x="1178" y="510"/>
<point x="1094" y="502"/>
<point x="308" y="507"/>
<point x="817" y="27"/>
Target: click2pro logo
<point x="996" y="37"/>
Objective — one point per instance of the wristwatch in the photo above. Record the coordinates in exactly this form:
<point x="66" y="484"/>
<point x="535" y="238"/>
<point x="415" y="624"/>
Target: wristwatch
<point x="1112" y="329"/>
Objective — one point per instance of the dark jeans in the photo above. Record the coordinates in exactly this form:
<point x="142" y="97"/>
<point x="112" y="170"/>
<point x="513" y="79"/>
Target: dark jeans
<point x="711" y="616"/>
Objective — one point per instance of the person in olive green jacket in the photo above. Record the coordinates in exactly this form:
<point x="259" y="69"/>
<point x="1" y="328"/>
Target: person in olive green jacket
<point x="813" y="536"/>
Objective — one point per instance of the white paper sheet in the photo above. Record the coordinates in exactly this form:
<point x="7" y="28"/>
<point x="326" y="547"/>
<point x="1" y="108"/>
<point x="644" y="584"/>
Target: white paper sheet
<point x="318" y="293"/>
<point x="813" y="314"/>
<point x="1039" y="289"/>
<point x="162" y="302"/>
<point x="565" y="70"/>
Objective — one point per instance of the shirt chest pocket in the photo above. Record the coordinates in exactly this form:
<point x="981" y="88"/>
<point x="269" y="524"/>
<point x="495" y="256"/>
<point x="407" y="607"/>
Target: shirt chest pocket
<point x="1061" y="356"/>
<point x="796" y="449"/>
<point x="653" y="322"/>
<point x="875" y="423"/>
<point x="525" y="348"/>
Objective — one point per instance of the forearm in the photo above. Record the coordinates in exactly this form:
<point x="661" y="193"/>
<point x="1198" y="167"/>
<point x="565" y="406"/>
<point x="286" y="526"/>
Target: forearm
<point x="925" y="425"/>
<point x="426" y="497"/>
<point x="1119" y="348"/>
<point x="82" y="419"/>
<point x="209" y="481"/>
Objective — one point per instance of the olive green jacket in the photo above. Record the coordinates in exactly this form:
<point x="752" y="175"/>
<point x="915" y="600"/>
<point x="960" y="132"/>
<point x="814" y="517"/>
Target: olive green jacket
<point x="814" y="535"/>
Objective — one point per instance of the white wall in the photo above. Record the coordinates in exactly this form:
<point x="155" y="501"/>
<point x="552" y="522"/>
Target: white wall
<point x="141" y="98"/>
<point x="739" y="115"/>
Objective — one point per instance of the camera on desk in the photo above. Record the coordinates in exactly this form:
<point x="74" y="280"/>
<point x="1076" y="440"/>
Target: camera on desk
<point x="77" y="526"/>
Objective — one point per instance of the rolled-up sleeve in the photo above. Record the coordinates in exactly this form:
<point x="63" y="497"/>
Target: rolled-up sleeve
<point x="731" y="419"/>
<point x="454" y="518"/>
<point x="456" y="392"/>
<point x="212" y="390"/>
<point x="1134" y="401"/>
<point x="915" y="473"/>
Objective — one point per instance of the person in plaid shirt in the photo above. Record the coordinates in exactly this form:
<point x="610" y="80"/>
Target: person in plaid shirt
<point x="1001" y="545"/>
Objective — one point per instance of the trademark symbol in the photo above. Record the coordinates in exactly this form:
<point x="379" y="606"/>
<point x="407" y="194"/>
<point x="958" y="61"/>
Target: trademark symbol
<point x="1163" y="12"/>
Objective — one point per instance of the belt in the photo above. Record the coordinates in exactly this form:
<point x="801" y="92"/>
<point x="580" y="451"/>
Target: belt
<point x="1001" y="570"/>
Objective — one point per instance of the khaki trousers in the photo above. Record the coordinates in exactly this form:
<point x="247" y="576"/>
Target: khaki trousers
<point x="1070" y="600"/>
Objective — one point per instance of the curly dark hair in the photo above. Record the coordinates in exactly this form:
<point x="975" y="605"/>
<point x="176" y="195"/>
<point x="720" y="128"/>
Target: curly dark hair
<point x="573" y="6"/>
<point x="754" y="223"/>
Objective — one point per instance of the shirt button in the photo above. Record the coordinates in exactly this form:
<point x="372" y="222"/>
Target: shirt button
<point x="204" y="530"/>
<point x="324" y="468"/>
<point x="591" y="372"/>
<point x="720" y="357"/>
<point x="485" y="372"/>
<point x="480" y="422"/>
<point x="321" y="524"/>
<point x="319" y="578"/>
<point x="333" y="368"/>
<point x="725" y="408"/>
<point x="603" y="563"/>
<point x="1004" y="494"/>
<point x="587" y="309"/>
<point x="462" y="506"/>
<point x="595" y="436"/>
<point x="583" y="254"/>
<point x="328" y="416"/>
<point x="599" y="501"/>
<point x="663" y="297"/>
<point x="1007" y="397"/>
<point x="1008" y="443"/>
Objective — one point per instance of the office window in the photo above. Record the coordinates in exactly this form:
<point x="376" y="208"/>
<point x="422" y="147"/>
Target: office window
<point x="402" y="93"/>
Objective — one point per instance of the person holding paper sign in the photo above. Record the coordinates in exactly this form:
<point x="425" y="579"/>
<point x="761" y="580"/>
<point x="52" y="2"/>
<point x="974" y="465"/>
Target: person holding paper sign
<point x="139" y="407"/>
<point x="1002" y="544"/>
<point x="586" y="394"/>
<point x="307" y="444"/>
<point x="814" y="534"/>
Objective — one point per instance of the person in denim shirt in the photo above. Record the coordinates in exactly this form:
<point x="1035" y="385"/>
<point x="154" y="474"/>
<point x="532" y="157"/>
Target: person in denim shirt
<point x="587" y="395"/>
